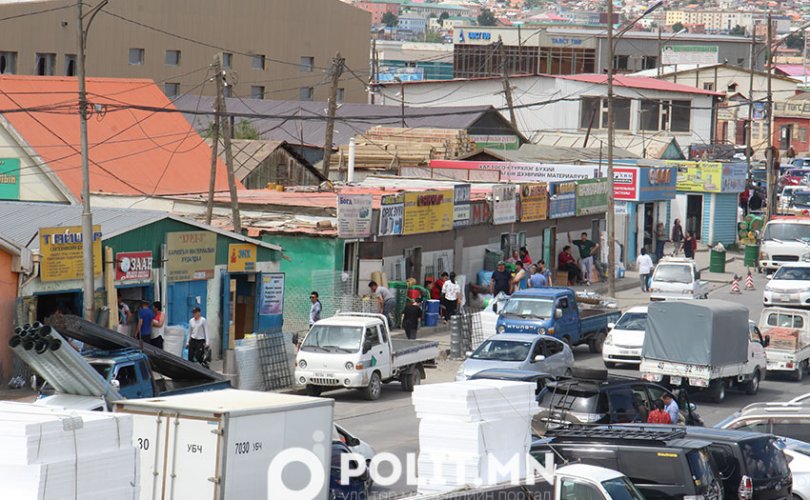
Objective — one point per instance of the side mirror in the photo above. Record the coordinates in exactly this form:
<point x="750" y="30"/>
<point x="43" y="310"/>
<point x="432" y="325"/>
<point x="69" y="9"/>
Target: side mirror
<point x="611" y="326"/>
<point x="468" y="354"/>
<point x="769" y="276"/>
<point x="538" y="358"/>
<point x="692" y="407"/>
<point x="352" y="441"/>
<point x="495" y="307"/>
<point x="697" y="275"/>
<point x="115" y="383"/>
<point x="767" y="341"/>
<point x="557" y="313"/>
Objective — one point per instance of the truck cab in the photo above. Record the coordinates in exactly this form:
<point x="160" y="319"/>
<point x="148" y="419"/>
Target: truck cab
<point x="784" y="239"/>
<point x="127" y="369"/>
<point x="677" y="279"/>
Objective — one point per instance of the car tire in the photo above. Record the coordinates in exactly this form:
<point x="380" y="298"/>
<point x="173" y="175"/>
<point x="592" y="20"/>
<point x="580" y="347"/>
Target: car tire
<point x="595" y="344"/>
<point x="411" y="380"/>
<point x="752" y="386"/>
<point x="568" y="342"/>
<point x="610" y="364"/>
<point x="589" y="373"/>
<point x="798" y="374"/>
<point x="717" y="391"/>
<point x="313" y="390"/>
<point x="373" y="390"/>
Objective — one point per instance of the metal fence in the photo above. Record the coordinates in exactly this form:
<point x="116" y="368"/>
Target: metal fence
<point x="466" y="332"/>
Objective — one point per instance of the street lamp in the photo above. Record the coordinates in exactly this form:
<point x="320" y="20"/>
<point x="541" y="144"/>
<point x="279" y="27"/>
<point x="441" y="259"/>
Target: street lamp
<point x="661" y="44"/>
<point x="611" y="213"/>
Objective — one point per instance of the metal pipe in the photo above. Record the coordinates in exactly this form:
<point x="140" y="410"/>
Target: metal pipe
<point x="352" y="152"/>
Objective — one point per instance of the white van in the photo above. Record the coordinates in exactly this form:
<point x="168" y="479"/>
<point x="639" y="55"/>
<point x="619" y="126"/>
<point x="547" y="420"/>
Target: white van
<point x="784" y="239"/>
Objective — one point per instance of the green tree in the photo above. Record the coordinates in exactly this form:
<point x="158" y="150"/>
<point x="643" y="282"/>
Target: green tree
<point x="486" y="18"/>
<point x="390" y="19"/>
<point x="442" y="17"/>
<point x="795" y="41"/>
<point x="737" y="31"/>
<point x="432" y="36"/>
<point x="677" y="27"/>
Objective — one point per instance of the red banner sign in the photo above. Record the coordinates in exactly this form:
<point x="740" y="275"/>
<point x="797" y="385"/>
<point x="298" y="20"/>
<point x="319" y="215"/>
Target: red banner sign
<point x="130" y="266"/>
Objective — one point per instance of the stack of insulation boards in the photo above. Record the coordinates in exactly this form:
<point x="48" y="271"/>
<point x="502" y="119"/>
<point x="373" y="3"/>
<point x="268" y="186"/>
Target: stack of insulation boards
<point x="469" y="431"/>
<point x="59" y="454"/>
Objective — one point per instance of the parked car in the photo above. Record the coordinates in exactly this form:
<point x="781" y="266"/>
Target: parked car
<point x="625" y="338"/>
<point x="357" y="445"/>
<point x="787" y="331"/>
<point x="784" y="240"/>
<point x="799" y="202"/>
<point x="356" y="489"/>
<point x="787" y="420"/>
<point x="659" y="461"/>
<point x="789" y="286"/>
<point x="677" y="278"/>
<point x="519" y="351"/>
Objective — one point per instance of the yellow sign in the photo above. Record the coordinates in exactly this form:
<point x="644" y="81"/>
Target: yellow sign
<point x="241" y="258"/>
<point x="701" y="177"/>
<point x="428" y="212"/>
<point x="61" y="249"/>
<point x="533" y="202"/>
<point x="191" y="255"/>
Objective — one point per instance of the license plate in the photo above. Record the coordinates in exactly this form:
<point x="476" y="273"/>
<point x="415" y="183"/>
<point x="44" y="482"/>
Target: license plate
<point x="783" y="297"/>
<point x="324" y="375"/>
<point x="626" y="351"/>
<point x="675" y="380"/>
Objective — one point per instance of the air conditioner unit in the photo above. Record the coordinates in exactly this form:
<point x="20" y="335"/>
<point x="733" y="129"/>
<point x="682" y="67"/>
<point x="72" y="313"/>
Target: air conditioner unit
<point x="23" y="263"/>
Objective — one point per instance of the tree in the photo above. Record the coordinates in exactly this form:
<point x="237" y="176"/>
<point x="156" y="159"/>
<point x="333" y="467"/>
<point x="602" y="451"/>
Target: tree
<point x="390" y="19"/>
<point x="486" y="18"/>
<point x="677" y="27"/>
<point x="432" y="36"/>
<point x="442" y="17"/>
<point x="795" y="41"/>
<point x="737" y="31"/>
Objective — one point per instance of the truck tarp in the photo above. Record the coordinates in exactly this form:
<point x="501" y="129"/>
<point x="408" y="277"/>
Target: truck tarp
<point x="705" y="332"/>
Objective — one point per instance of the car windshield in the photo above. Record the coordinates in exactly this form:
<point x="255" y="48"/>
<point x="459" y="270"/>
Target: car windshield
<point x="632" y="321"/>
<point x="333" y="338"/>
<point x="801" y="198"/>
<point x="502" y="350"/>
<point x="103" y="369"/>
<point x="528" y="308"/>
<point x="792" y="273"/>
<point x="787" y="232"/>
<point x="621" y="488"/>
<point x="673" y="273"/>
<point x="763" y="460"/>
<point x="699" y="464"/>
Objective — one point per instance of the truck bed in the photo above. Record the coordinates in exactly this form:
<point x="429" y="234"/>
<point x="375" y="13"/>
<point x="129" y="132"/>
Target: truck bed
<point x="408" y="352"/>
<point x="168" y="387"/>
<point x="596" y="319"/>
<point x="693" y="371"/>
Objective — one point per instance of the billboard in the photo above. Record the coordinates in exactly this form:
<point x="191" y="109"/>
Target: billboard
<point x="533" y="202"/>
<point x="242" y="258"/>
<point x="592" y="196"/>
<point x="190" y="255"/>
<point x="133" y="266"/>
<point x="504" y="204"/>
<point x="689" y="54"/>
<point x="710" y="177"/>
<point x="644" y="183"/>
<point x="428" y="211"/>
<point x="61" y="249"/>
<point x="392" y="209"/>
<point x="9" y="178"/>
<point x="354" y="215"/>
<point x="522" y="172"/>
<point x="462" y="211"/>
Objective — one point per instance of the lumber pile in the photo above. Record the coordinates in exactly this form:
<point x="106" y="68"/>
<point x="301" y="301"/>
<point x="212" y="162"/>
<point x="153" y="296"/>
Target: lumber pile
<point x="389" y="148"/>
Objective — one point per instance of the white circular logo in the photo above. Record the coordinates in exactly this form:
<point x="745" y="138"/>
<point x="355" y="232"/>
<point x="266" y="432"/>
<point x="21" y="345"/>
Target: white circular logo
<point x="126" y="264"/>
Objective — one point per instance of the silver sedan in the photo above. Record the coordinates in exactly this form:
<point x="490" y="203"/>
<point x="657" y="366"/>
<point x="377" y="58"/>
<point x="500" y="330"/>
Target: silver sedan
<point x="519" y="351"/>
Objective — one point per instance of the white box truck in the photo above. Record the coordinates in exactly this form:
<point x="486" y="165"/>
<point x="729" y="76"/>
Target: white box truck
<point x="220" y="445"/>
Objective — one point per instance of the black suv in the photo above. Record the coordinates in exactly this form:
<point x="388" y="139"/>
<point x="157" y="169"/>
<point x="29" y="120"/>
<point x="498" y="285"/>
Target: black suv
<point x="662" y="463"/>
<point x="604" y="400"/>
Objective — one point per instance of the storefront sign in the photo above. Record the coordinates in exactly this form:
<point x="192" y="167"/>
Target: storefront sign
<point x="133" y="266"/>
<point x="563" y="200"/>
<point x="533" y="202"/>
<point x="9" y="178"/>
<point x="710" y="177"/>
<point x="620" y="208"/>
<point x="522" y="172"/>
<point x="644" y="183"/>
<point x="462" y="212"/>
<point x="592" y="196"/>
<point x="242" y="258"/>
<point x="61" y="249"/>
<point x="689" y="54"/>
<point x="191" y="255"/>
<point x="428" y="211"/>
<point x="481" y="212"/>
<point x="504" y="204"/>
<point x="271" y="294"/>
<point x="354" y="215"/>
<point x="502" y="142"/>
<point x="625" y="183"/>
<point x="392" y="209"/>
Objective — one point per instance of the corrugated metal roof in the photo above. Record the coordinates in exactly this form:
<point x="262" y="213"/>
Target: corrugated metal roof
<point x="639" y="82"/>
<point x="542" y="153"/>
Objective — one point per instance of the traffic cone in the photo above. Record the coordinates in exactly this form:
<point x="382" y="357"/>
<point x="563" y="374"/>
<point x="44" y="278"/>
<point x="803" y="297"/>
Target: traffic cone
<point x="735" y="284"/>
<point x="749" y="282"/>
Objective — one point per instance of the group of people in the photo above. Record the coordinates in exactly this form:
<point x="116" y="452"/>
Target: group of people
<point x="579" y="273"/>
<point x="665" y="411"/>
<point x="686" y="243"/>
<point x="526" y="275"/>
<point x="445" y="289"/>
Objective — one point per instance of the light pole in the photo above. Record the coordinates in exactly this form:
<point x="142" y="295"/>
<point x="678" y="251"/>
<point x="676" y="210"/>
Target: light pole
<point x="611" y="213"/>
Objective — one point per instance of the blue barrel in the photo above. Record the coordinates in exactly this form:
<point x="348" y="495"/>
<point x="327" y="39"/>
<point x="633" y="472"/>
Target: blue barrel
<point x="431" y="319"/>
<point x="484" y="277"/>
<point x="432" y="307"/>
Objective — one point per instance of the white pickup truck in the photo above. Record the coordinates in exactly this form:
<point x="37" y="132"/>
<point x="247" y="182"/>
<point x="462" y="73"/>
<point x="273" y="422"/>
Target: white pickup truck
<point x="356" y="351"/>
<point x="677" y="279"/>
<point x="788" y="333"/>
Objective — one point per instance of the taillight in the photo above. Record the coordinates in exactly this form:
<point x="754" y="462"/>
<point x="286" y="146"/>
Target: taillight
<point x="746" y="490"/>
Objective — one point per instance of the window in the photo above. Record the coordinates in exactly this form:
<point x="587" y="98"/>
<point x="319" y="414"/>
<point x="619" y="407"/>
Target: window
<point x="574" y="490"/>
<point x="649" y="62"/>
<point x="383" y="338"/>
<point x="46" y="64"/>
<point x="649" y="467"/>
<point x="257" y="92"/>
<point x="802" y="134"/>
<point x="172" y="58"/>
<point x="136" y="56"/>
<point x="680" y="116"/>
<point x="732" y="88"/>
<point x="306" y="64"/>
<point x="673" y="116"/>
<point x="649" y="119"/>
<point x="171" y="89"/>
<point x="341" y="92"/>
<point x="257" y="62"/>
<point x="8" y="63"/>
<point x="622" y="407"/>
<point x="373" y="336"/>
<point x="553" y="347"/>
<point x="593" y="113"/>
<point x="708" y="86"/>
<point x="740" y="61"/>
<point x="126" y="375"/>
<point x="70" y="64"/>
<point x="227" y="60"/>
<point x="305" y="93"/>
<point x="621" y="62"/>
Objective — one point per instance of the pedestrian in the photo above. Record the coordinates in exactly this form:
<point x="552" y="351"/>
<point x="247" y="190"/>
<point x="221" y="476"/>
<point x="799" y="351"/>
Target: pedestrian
<point x="566" y="262"/>
<point x="645" y="267"/>
<point x="145" y="317"/>
<point x="452" y="297"/>
<point x="436" y="291"/>
<point x="410" y="319"/>
<point x="158" y="325"/>
<point x="587" y="249"/>
<point x="677" y="235"/>
<point x="387" y="301"/>
<point x="546" y="272"/>
<point x="755" y="202"/>
<point x="198" y="337"/>
<point x="499" y="282"/>
<point x="315" y="308"/>
<point x="124" y="316"/>
<point x="538" y="280"/>
<point x="660" y="240"/>
<point x="743" y="201"/>
<point x="520" y="281"/>
<point x="671" y="407"/>
<point x="658" y="415"/>
<point x="689" y="245"/>
<point x="525" y="258"/>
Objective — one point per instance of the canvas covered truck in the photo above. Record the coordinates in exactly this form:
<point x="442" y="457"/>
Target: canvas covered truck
<point x="788" y="333"/>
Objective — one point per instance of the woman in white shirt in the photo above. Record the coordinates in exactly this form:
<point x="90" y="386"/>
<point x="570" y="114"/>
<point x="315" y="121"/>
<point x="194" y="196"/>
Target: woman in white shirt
<point x="645" y="268"/>
<point x="452" y="297"/>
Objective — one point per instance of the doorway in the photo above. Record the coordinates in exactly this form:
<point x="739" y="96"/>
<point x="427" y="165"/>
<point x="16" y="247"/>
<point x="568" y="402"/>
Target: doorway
<point x="785" y="136"/>
<point x="413" y="263"/>
<point x="694" y="214"/>
<point x="245" y="307"/>
<point x="550" y="246"/>
<point x="649" y="226"/>
<point x="60" y="302"/>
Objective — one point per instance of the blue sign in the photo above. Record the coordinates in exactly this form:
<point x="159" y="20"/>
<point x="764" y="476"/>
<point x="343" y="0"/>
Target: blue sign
<point x="478" y="35"/>
<point x="562" y="200"/>
<point x="391" y="73"/>
<point x="657" y="183"/>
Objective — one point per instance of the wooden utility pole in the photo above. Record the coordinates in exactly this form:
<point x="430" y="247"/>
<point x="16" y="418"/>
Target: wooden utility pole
<point x="209" y="211"/>
<point x="507" y="87"/>
<point x="611" y="212"/>
<point x="335" y="70"/>
<point x="225" y="123"/>
<point x="770" y="153"/>
<point x="748" y="148"/>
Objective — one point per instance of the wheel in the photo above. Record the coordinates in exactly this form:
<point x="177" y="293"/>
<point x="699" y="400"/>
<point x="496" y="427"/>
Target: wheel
<point x="752" y="386"/>
<point x="595" y="345"/>
<point x="798" y="375"/>
<point x="567" y="340"/>
<point x="374" y="389"/>
<point x="411" y="380"/>
<point x="314" y="390"/>
<point x="610" y="364"/>
<point x="717" y="391"/>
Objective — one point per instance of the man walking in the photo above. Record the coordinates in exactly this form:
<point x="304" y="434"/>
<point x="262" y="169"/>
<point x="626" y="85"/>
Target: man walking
<point x="587" y="249"/>
<point x="198" y="337"/>
<point x="158" y="325"/>
<point x="315" y="309"/>
<point x="387" y="300"/>
<point x="500" y="280"/>
<point x="145" y="317"/>
<point x="645" y="267"/>
<point x="410" y="319"/>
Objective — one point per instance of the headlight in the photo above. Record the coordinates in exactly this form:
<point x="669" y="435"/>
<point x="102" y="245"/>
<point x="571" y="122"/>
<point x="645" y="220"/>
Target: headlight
<point x="806" y="256"/>
<point x="541" y="331"/>
<point x="763" y="256"/>
<point x="501" y="329"/>
<point x="349" y="366"/>
<point x="609" y="339"/>
<point x="302" y="364"/>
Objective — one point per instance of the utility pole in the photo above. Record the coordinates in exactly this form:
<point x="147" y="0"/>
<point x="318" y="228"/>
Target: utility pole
<point x="209" y="211"/>
<point x="335" y="70"/>
<point x="660" y="53"/>
<point x="748" y="147"/>
<point x="611" y="214"/>
<point x="401" y="101"/>
<point x="507" y="87"/>
<point x="770" y="153"/>
<point x="225" y="123"/>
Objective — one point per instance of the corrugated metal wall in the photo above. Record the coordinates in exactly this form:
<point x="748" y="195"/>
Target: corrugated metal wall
<point x="706" y="216"/>
<point x="725" y="217"/>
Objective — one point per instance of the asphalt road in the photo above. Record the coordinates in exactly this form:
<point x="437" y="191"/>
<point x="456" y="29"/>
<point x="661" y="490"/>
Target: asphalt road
<point x="390" y="424"/>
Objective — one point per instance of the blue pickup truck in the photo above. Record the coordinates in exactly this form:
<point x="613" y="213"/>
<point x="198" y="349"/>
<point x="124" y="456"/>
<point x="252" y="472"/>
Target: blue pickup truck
<point x="555" y="311"/>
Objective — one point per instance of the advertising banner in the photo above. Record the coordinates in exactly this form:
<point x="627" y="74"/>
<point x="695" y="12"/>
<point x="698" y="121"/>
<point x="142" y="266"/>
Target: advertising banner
<point x="191" y="255"/>
<point x="563" y="200"/>
<point x="133" y="266"/>
<point x="523" y="172"/>
<point x="354" y="215"/>
<point x="644" y="183"/>
<point x="462" y="212"/>
<point x="481" y="212"/>
<point x="533" y="202"/>
<point x="241" y="258"/>
<point x="592" y="196"/>
<point x="625" y="183"/>
<point x="9" y="178"/>
<point x="392" y="210"/>
<point x="710" y="177"/>
<point x="672" y="55"/>
<point x="428" y="211"/>
<point x="61" y="249"/>
<point x="504" y="204"/>
<point x="271" y="294"/>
